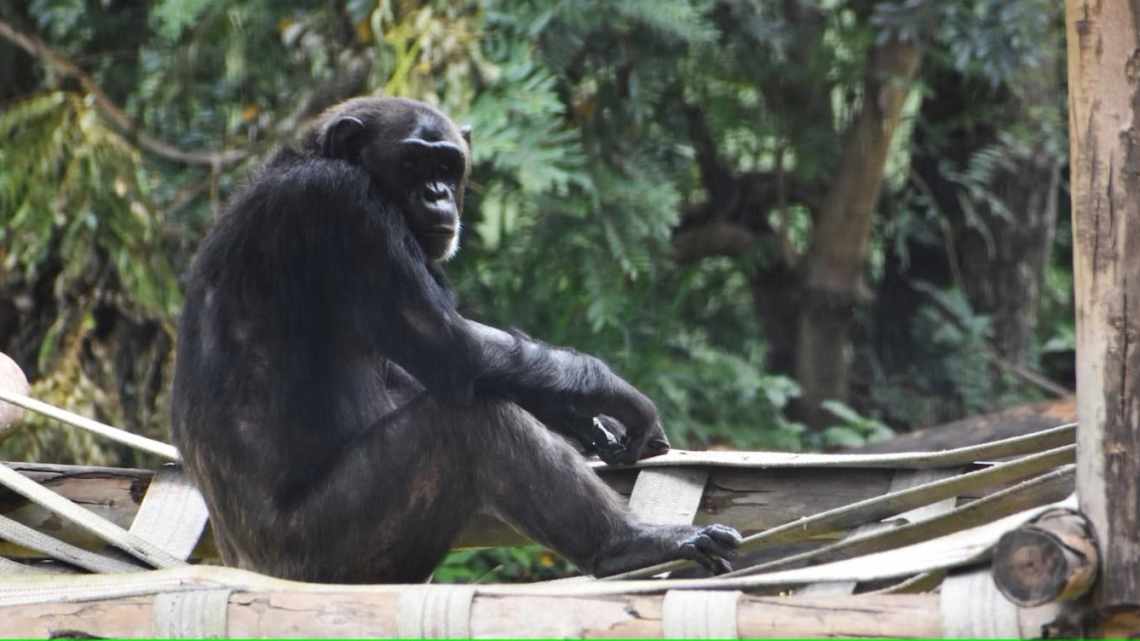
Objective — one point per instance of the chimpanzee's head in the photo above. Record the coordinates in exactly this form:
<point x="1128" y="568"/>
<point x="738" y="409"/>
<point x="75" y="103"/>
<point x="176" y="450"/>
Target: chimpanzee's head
<point x="415" y="155"/>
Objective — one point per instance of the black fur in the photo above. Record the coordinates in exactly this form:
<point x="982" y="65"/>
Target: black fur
<point x="343" y="420"/>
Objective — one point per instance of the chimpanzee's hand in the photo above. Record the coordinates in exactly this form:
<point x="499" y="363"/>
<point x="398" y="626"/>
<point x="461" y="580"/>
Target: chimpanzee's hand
<point x="609" y="440"/>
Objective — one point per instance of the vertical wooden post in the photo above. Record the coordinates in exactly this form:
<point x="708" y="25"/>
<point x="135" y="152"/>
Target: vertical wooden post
<point x="1104" y="137"/>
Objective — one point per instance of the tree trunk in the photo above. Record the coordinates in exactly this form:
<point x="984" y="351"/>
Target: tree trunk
<point x="1104" y="126"/>
<point x="833" y="283"/>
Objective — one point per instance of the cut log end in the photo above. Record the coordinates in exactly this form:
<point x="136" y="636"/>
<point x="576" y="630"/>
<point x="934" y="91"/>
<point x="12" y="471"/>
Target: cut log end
<point x="1049" y="560"/>
<point x="12" y="379"/>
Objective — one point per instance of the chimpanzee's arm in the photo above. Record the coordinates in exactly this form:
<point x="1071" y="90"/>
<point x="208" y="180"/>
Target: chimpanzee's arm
<point x="414" y="322"/>
<point x="409" y="316"/>
<point x="561" y="387"/>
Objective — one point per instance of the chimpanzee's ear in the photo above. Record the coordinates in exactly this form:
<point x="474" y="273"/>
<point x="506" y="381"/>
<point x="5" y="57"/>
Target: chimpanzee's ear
<point x="343" y="138"/>
<point x="465" y="131"/>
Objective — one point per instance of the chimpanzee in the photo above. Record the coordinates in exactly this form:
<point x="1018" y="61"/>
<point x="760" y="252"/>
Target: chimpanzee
<point x="344" y="421"/>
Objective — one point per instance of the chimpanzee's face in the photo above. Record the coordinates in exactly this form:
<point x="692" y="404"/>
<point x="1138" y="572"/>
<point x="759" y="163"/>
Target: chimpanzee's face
<point x="416" y="155"/>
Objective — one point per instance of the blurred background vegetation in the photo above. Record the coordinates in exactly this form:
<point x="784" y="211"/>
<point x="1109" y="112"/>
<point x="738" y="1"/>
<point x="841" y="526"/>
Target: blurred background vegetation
<point x="793" y="223"/>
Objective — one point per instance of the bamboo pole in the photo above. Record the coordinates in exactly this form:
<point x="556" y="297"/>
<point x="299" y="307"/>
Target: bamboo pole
<point x="298" y="613"/>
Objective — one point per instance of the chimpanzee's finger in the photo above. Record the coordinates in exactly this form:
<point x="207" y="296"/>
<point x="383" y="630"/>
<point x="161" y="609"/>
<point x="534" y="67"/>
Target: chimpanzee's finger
<point x="609" y="439"/>
<point x="657" y="444"/>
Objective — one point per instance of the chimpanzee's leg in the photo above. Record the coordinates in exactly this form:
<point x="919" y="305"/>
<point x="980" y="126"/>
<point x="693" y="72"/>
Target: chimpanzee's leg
<point x="536" y="481"/>
<point x="388" y="510"/>
<point x="391" y="506"/>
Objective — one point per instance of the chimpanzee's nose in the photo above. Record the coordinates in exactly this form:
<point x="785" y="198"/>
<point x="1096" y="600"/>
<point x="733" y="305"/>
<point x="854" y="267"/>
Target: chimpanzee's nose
<point x="434" y="191"/>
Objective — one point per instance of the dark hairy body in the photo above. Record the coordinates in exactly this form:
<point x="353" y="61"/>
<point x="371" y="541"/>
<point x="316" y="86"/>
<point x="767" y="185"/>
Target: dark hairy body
<point x="340" y="416"/>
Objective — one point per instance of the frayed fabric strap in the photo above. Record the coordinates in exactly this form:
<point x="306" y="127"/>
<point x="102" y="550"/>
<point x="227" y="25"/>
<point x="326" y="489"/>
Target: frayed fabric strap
<point x="668" y="496"/>
<point x="436" y="612"/>
<point x="173" y="513"/>
<point x="700" y="614"/>
<point x="972" y="608"/>
<point x="196" y="614"/>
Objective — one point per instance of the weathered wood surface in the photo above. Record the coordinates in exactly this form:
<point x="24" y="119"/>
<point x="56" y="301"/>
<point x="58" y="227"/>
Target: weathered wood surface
<point x="752" y="500"/>
<point x="901" y="481"/>
<point x="1052" y="558"/>
<point x="1104" y="134"/>
<point x="1019" y="498"/>
<point x="984" y="428"/>
<point x="361" y="615"/>
<point x="147" y="603"/>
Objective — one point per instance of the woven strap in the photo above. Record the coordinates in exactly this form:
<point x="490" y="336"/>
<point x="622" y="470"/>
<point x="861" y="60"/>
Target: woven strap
<point x="195" y="614"/>
<point x="173" y="513"/>
<point x="972" y="608"/>
<point x="699" y="614"/>
<point x="668" y="496"/>
<point x="436" y="612"/>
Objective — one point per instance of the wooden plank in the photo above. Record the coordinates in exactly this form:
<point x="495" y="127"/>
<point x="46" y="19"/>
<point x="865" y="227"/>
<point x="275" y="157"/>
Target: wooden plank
<point x="85" y="519"/>
<point x="751" y="500"/>
<point x="879" y="507"/>
<point x="1104" y="123"/>
<point x="903" y="480"/>
<point x="964" y="548"/>
<point x="300" y="613"/>
<point x="1014" y="446"/>
<point x="1030" y="494"/>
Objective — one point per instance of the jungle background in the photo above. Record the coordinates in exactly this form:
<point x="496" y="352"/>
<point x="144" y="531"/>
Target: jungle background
<point x="795" y="224"/>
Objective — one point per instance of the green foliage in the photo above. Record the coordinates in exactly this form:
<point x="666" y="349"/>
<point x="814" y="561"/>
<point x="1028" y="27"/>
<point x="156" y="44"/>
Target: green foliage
<point x="853" y="430"/>
<point x="74" y="188"/>
<point x="171" y="17"/>
<point x="502" y="565"/>
<point x="952" y="372"/>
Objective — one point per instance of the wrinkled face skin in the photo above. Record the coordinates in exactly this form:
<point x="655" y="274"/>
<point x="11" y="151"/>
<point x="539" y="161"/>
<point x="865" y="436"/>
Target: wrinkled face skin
<point x="414" y="153"/>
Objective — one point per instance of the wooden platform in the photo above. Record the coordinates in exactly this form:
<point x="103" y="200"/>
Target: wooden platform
<point x="859" y="542"/>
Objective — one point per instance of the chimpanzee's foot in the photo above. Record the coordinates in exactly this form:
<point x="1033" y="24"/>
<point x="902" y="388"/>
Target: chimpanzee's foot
<point x="712" y="546"/>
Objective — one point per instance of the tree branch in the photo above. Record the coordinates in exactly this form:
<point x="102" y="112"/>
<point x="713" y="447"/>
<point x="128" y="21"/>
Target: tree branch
<point x="715" y="238"/>
<point x="718" y="180"/>
<point x="63" y="66"/>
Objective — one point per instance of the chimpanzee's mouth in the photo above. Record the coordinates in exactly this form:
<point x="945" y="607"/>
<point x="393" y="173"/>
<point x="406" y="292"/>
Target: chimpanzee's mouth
<point x="443" y="231"/>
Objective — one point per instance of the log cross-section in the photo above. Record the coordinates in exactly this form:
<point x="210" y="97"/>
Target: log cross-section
<point x="1051" y="559"/>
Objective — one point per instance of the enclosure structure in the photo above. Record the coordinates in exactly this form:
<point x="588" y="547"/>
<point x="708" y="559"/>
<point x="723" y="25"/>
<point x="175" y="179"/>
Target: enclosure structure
<point x="1024" y="537"/>
<point x="850" y="545"/>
